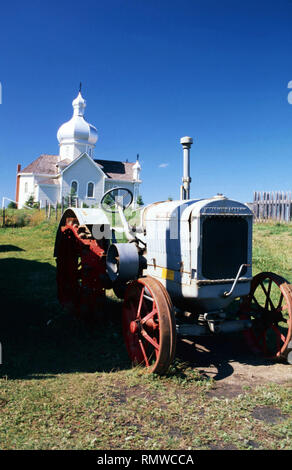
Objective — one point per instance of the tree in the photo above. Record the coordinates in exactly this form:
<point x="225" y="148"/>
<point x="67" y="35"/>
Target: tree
<point x="32" y="203"/>
<point x="12" y="205"/>
<point x="140" y="201"/>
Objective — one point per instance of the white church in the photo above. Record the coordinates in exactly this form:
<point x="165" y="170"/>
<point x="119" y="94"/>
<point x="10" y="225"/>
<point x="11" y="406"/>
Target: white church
<point x="50" y="178"/>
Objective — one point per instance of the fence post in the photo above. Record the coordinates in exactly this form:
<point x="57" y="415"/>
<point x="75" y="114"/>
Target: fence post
<point x="254" y="206"/>
<point x="268" y="206"/>
<point x="273" y="206"/>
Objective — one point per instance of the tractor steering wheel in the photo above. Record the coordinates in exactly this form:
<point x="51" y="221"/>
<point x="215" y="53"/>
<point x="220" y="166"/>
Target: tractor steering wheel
<point x="115" y="198"/>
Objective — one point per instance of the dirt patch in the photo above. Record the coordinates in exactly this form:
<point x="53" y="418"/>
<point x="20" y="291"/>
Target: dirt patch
<point x="225" y="390"/>
<point x="269" y="415"/>
<point x="228" y="361"/>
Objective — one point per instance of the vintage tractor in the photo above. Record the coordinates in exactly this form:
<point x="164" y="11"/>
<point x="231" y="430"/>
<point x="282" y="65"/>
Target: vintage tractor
<point x="185" y="270"/>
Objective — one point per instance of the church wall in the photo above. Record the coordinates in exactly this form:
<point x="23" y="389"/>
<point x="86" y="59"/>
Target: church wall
<point x="49" y="194"/>
<point x="133" y="187"/>
<point x="83" y="171"/>
<point x="26" y="189"/>
<point x="109" y="184"/>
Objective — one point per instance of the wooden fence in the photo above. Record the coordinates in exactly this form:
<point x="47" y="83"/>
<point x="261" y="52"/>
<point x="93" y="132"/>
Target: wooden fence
<point x="276" y="206"/>
<point x="71" y="202"/>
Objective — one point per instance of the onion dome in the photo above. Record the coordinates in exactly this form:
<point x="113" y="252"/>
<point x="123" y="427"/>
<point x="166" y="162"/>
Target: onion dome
<point x="77" y="129"/>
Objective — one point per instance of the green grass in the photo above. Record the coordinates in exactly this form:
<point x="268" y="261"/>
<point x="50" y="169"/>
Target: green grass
<point x="65" y="385"/>
<point x="272" y="249"/>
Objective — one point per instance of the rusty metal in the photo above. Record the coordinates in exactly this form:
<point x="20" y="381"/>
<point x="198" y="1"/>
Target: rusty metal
<point x="81" y="271"/>
<point x="271" y="322"/>
<point x="149" y="325"/>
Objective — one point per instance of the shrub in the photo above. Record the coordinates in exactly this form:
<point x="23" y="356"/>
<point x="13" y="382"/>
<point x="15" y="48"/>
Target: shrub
<point x="140" y="201"/>
<point x="12" y="205"/>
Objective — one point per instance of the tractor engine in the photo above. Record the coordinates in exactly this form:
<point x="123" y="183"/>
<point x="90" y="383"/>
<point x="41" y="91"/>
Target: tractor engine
<point x="198" y="249"/>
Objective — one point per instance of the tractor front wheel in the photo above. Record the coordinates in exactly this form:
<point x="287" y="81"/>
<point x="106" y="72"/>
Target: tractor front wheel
<point x="149" y="325"/>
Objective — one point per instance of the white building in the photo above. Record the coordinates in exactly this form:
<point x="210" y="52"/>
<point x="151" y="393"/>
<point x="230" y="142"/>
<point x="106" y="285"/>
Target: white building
<point x="50" y="178"/>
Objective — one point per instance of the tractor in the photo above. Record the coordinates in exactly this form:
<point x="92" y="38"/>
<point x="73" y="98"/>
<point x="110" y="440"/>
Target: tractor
<point x="185" y="270"/>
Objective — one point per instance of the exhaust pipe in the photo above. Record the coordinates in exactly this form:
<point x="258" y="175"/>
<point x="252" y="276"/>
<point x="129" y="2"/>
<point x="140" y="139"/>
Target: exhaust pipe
<point x="185" y="188"/>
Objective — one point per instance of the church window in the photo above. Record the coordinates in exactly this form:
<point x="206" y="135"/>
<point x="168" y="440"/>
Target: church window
<point x="74" y="187"/>
<point x="25" y="187"/>
<point x="90" y="189"/>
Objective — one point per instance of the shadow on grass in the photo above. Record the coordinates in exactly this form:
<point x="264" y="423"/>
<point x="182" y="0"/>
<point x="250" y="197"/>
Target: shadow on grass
<point x="6" y="248"/>
<point x="38" y="339"/>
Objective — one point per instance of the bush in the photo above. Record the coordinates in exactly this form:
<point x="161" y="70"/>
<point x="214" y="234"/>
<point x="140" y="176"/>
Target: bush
<point x="21" y="220"/>
<point x="22" y="217"/>
<point x="12" y="205"/>
<point x="32" y="203"/>
<point x="140" y="201"/>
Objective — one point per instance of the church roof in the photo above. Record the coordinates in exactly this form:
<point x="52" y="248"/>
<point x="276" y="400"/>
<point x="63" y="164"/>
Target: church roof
<point x="116" y="170"/>
<point x="49" y="181"/>
<point x="47" y="165"/>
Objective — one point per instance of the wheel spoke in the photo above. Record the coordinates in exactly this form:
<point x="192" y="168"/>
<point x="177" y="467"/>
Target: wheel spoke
<point x="149" y="339"/>
<point x="144" y="353"/>
<point x="268" y="296"/>
<point x="148" y="316"/>
<point x="140" y="303"/>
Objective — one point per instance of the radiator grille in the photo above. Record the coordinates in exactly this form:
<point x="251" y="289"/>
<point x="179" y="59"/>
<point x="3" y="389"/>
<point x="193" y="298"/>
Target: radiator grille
<point x="224" y="246"/>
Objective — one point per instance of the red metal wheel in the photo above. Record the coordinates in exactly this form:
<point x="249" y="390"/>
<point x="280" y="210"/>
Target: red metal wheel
<point x="149" y="324"/>
<point x="269" y="306"/>
<point x="80" y="269"/>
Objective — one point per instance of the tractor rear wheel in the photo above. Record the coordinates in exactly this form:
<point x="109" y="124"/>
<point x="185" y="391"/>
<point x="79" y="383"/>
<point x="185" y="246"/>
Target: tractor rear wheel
<point x="80" y="270"/>
<point x="269" y="306"/>
<point x="149" y="327"/>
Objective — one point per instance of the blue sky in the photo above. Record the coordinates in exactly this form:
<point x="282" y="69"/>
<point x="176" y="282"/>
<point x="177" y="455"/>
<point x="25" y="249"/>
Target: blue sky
<point x="152" y="72"/>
